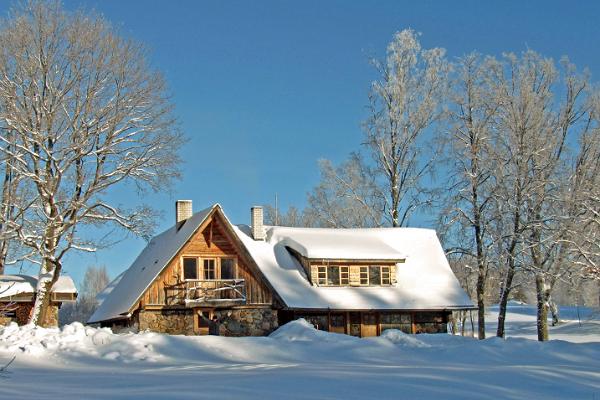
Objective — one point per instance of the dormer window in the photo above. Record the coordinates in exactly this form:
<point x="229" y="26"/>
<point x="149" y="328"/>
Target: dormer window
<point x="352" y="275"/>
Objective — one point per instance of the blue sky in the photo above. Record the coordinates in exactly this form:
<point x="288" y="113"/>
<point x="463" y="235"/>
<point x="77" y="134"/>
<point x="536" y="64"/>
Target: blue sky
<point x="264" y="89"/>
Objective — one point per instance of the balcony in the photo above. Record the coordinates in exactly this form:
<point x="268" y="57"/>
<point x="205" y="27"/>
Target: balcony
<point x="215" y="292"/>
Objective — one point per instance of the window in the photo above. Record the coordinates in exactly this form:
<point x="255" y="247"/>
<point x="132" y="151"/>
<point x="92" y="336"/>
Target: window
<point x="333" y="276"/>
<point x="322" y="275"/>
<point x="227" y="268"/>
<point x="364" y="275"/>
<point x="402" y="322"/>
<point x="209" y="269"/>
<point x="344" y="276"/>
<point x="385" y="276"/>
<point x="375" y="275"/>
<point x="190" y="268"/>
<point x="338" y="275"/>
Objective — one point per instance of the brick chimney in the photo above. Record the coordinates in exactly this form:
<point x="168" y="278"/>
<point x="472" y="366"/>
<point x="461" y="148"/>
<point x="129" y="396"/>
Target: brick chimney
<point x="256" y="220"/>
<point x="183" y="210"/>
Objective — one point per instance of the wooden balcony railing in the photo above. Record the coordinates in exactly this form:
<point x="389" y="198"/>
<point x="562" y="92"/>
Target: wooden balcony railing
<point x="215" y="291"/>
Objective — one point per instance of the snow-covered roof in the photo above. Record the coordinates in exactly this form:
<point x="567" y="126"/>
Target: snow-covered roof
<point x="424" y="280"/>
<point x="12" y="285"/>
<point x="126" y="289"/>
<point x="347" y="244"/>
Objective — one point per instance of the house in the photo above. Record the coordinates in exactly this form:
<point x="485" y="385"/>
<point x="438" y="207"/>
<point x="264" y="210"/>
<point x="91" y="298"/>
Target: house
<point x="255" y="278"/>
<point x="16" y="298"/>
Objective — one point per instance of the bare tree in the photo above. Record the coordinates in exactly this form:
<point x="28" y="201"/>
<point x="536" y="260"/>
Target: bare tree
<point x="473" y="113"/>
<point x="292" y="217"/>
<point x="94" y="281"/>
<point x="87" y="114"/>
<point x="385" y="185"/>
<point x="404" y="105"/>
<point x="347" y="196"/>
<point x="532" y="201"/>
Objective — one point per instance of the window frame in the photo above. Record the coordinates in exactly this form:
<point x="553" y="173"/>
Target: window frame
<point x="322" y="275"/>
<point x="214" y="268"/>
<point x="363" y="275"/>
<point x="385" y="270"/>
<point x="235" y="267"/>
<point x="183" y="258"/>
<point x="200" y="272"/>
<point x="344" y="275"/>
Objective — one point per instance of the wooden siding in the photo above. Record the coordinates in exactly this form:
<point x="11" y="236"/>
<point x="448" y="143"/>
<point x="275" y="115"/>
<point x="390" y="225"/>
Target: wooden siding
<point x="211" y="241"/>
<point x="354" y="269"/>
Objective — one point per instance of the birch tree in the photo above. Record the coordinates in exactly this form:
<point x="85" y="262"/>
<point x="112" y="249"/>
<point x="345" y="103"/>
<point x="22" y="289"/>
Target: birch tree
<point x="405" y="104"/>
<point x="473" y="112"/>
<point x="525" y="95"/>
<point x="542" y="109"/>
<point x="383" y="184"/>
<point x="87" y="114"/>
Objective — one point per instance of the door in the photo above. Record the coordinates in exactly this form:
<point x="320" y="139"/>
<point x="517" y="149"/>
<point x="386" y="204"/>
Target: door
<point x="369" y="325"/>
<point x="337" y="323"/>
<point x="201" y="317"/>
<point x="354" y="324"/>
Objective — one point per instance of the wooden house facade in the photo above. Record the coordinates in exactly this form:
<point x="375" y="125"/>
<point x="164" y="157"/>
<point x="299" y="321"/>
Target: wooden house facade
<point x="256" y="278"/>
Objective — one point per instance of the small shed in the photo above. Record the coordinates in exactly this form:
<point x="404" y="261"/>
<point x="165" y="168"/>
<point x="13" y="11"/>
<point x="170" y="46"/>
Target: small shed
<point x="17" y="294"/>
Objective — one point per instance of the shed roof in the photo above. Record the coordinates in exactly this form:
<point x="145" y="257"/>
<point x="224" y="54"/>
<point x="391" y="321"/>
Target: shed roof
<point x="12" y="285"/>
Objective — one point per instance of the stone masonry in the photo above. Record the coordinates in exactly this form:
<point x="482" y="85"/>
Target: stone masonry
<point x="23" y="312"/>
<point x="177" y="322"/>
<point x="240" y="322"/>
<point x="247" y="321"/>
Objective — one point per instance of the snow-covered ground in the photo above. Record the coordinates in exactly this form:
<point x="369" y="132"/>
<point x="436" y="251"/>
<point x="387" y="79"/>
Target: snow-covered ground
<point x="298" y="362"/>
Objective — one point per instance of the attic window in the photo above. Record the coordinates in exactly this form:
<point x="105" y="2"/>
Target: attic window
<point x="333" y="275"/>
<point x="190" y="268"/>
<point x="364" y="275"/>
<point x="322" y="275"/>
<point x="378" y="275"/>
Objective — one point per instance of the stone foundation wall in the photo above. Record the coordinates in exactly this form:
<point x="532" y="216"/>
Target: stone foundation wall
<point x="239" y="322"/>
<point x="176" y="322"/>
<point x="23" y="312"/>
<point x="247" y="321"/>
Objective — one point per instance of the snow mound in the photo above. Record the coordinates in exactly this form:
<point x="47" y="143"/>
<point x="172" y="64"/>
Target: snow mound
<point x="75" y="339"/>
<point x="301" y="330"/>
<point x="396" y="336"/>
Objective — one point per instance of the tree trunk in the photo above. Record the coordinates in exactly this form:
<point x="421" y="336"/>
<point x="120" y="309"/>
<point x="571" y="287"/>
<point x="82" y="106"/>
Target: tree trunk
<point x="500" y="332"/>
<point x="481" y="306"/>
<point x="542" y="307"/>
<point x="554" y="311"/>
<point x="48" y="276"/>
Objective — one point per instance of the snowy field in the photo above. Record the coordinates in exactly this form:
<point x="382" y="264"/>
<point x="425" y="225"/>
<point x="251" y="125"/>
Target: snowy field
<point x="297" y="362"/>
